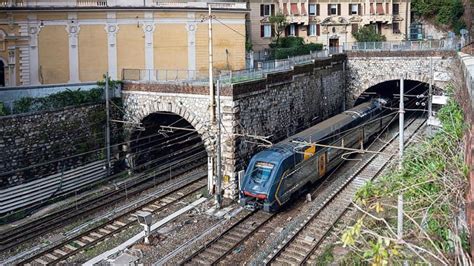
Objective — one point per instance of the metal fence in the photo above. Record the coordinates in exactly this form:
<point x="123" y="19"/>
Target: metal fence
<point x="448" y="44"/>
<point x="165" y="75"/>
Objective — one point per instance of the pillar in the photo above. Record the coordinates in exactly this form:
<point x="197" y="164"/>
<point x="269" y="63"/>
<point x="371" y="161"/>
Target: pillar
<point x="72" y="29"/>
<point x="112" y="28"/>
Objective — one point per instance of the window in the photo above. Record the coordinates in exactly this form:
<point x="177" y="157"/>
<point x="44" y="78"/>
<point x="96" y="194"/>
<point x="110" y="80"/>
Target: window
<point x="396" y="27"/>
<point x="332" y="9"/>
<point x="267" y="10"/>
<point x="266" y="31"/>
<point x="354" y="9"/>
<point x="292" y="30"/>
<point x="372" y="8"/>
<point x="314" y="30"/>
<point x="285" y="9"/>
<point x="396" y="9"/>
<point x="303" y="9"/>
<point x="312" y="9"/>
<point x="379" y="9"/>
<point x="261" y="172"/>
<point x="294" y="9"/>
<point x="355" y="28"/>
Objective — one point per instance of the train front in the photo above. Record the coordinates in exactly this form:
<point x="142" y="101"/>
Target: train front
<point x="259" y="182"/>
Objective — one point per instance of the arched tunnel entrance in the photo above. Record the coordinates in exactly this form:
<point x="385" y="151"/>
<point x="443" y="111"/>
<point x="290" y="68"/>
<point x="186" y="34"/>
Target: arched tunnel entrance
<point x="166" y="140"/>
<point x="415" y="92"/>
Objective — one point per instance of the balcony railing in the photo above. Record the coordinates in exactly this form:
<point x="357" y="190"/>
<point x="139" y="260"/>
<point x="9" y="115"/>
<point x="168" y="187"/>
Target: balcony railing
<point x="220" y="4"/>
<point x="448" y="44"/>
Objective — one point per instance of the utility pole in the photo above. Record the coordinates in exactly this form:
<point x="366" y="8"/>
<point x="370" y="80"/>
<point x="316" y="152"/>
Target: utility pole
<point x="107" y="122"/>
<point x="401" y="117"/>
<point x="211" y="66"/>
<point x="219" y="149"/>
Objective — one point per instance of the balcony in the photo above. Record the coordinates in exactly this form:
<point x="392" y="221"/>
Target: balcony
<point x="367" y="19"/>
<point x="222" y="4"/>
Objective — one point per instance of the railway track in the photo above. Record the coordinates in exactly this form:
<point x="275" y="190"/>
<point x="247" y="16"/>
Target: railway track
<point x="215" y="250"/>
<point x="298" y="246"/>
<point x="44" y="224"/>
<point x="65" y="249"/>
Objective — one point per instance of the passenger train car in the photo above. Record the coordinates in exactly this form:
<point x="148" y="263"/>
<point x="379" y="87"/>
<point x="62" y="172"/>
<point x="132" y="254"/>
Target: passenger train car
<point x="277" y="174"/>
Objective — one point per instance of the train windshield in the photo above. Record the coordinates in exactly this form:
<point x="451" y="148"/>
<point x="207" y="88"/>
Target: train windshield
<point x="261" y="172"/>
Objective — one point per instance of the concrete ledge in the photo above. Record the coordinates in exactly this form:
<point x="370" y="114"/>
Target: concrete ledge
<point x="447" y="53"/>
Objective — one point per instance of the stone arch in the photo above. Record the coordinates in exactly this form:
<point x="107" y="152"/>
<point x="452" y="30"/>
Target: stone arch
<point x="175" y="107"/>
<point x="356" y="92"/>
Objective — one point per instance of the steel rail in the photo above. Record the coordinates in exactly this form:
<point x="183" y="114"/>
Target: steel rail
<point x="272" y="257"/>
<point x="46" y="223"/>
<point x="128" y="223"/>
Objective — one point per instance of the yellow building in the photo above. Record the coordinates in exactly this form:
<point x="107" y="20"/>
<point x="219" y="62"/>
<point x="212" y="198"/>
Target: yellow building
<point x="330" y="22"/>
<point x="53" y="41"/>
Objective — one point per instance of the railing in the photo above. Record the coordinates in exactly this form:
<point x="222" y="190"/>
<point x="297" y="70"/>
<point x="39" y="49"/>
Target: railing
<point x="221" y="4"/>
<point x="226" y="77"/>
<point x="448" y="44"/>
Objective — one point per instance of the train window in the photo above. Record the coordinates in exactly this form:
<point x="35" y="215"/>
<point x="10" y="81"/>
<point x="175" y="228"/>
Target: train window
<point x="261" y="172"/>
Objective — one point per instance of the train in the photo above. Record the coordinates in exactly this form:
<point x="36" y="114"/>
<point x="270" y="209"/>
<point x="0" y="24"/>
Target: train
<point x="280" y="173"/>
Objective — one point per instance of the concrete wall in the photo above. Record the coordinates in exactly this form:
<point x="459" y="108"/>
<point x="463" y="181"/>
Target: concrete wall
<point x="39" y="138"/>
<point x="367" y="69"/>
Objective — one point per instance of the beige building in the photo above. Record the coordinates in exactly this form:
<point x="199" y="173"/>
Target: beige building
<point x="330" y="22"/>
<point x="54" y="41"/>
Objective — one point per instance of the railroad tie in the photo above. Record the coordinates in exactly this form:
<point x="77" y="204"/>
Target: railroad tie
<point x="40" y="261"/>
<point x="168" y="199"/>
<point x="132" y="218"/>
<point x="154" y="206"/>
<point x="111" y="227"/>
<point x="96" y="235"/>
<point x="51" y="256"/>
<point x="104" y="231"/>
<point x="79" y="243"/>
<point x="120" y="223"/>
<point x="70" y="247"/>
<point x="147" y="209"/>
<point x="60" y="252"/>
<point x="88" y="239"/>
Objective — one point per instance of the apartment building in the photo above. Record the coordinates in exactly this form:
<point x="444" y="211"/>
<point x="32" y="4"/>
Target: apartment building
<point x="330" y="22"/>
<point x="72" y="41"/>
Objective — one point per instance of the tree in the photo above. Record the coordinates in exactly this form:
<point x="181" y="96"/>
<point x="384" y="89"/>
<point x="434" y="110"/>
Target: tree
<point x="368" y="34"/>
<point x="279" y="24"/>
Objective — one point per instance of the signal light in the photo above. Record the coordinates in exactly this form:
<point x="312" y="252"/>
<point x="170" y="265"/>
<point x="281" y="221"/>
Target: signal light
<point x="258" y="196"/>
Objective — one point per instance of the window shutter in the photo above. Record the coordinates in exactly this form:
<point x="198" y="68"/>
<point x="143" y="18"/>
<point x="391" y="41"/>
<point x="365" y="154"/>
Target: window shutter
<point x="338" y="9"/>
<point x="273" y="10"/>
<point x="317" y="9"/>
<point x="287" y="31"/>
<point x="262" y="31"/>
<point x="273" y="30"/>
<point x="318" y="30"/>
<point x="350" y="10"/>
<point x="360" y="10"/>
<point x="308" y="30"/>
<point x="262" y="8"/>
<point x="296" y="30"/>
<point x="329" y="9"/>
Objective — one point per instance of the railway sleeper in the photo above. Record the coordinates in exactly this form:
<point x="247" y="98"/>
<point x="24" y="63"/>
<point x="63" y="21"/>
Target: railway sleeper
<point x="72" y="248"/>
<point x="228" y="242"/>
<point x="94" y="234"/>
<point x="51" y="256"/>
<point x="40" y="261"/>
<point x="60" y="252"/>
<point x="213" y="253"/>
<point x="88" y="239"/>
<point x="296" y="253"/>
<point x="200" y="260"/>
<point x="284" y="261"/>
<point x="231" y="238"/>
<point x="301" y="245"/>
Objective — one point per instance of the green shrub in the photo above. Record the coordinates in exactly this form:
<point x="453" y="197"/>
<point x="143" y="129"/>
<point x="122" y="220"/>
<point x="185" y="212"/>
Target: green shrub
<point x="444" y="12"/>
<point x="3" y="109"/>
<point x="58" y="100"/>
<point x="282" y="53"/>
<point x="289" y="42"/>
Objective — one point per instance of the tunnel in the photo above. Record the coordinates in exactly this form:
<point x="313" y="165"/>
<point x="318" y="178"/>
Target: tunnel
<point x="415" y="93"/>
<point x="165" y="139"/>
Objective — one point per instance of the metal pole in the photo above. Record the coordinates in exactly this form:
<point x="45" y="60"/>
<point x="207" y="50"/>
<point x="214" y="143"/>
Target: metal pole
<point x="107" y="122"/>
<point x="219" y="149"/>
<point x="211" y="81"/>
<point x="401" y="112"/>
<point x="400" y="217"/>
<point x="430" y="90"/>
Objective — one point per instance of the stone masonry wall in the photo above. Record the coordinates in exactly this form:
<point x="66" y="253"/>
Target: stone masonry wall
<point x="42" y="137"/>
<point x="366" y="69"/>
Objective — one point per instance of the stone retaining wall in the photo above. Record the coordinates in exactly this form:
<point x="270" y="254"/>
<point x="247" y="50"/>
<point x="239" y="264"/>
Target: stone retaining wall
<point x="50" y="136"/>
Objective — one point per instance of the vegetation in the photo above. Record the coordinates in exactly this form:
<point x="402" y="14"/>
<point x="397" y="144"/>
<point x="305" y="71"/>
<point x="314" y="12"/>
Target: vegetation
<point x="3" y="109"/>
<point x="433" y="183"/>
<point x="368" y="33"/>
<point x="441" y="12"/>
<point x="293" y="46"/>
<point x="279" y="24"/>
<point x="57" y="100"/>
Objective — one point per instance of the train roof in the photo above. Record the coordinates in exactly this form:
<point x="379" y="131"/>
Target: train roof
<point x="328" y="126"/>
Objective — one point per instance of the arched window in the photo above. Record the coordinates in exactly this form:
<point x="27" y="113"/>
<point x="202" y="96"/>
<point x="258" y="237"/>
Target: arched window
<point x="2" y="74"/>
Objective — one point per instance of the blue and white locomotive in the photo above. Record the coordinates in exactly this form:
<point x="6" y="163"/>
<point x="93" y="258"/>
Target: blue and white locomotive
<point x="276" y="174"/>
